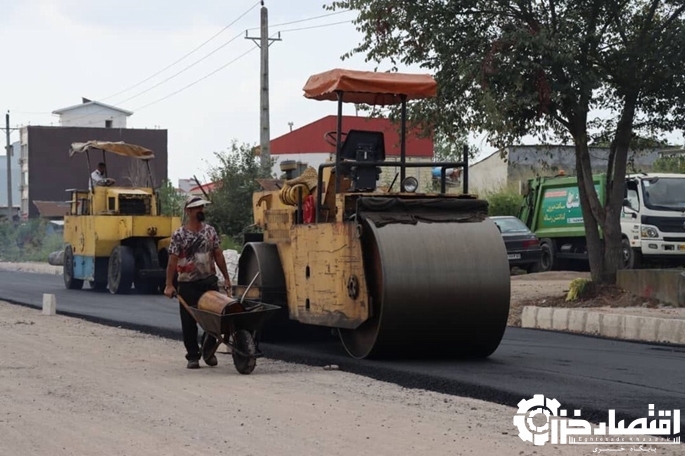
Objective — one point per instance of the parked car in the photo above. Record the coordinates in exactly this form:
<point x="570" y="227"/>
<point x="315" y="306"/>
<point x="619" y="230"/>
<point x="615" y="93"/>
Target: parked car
<point x="523" y="247"/>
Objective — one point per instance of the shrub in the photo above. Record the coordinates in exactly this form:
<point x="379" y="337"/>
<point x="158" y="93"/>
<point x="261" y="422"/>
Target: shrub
<point x="28" y="241"/>
<point x="504" y="202"/>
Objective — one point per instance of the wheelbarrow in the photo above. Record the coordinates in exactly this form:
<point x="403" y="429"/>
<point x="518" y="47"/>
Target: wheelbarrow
<point x="235" y="322"/>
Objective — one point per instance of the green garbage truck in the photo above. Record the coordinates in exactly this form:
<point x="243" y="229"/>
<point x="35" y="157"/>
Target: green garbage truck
<point x="652" y="219"/>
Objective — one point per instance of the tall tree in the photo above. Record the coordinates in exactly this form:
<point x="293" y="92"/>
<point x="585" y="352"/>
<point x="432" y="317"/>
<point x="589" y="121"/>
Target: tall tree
<point x="235" y="178"/>
<point x="540" y="67"/>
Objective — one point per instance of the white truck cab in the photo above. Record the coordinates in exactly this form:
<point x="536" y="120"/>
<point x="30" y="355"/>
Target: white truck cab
<point x="653" y="218"/>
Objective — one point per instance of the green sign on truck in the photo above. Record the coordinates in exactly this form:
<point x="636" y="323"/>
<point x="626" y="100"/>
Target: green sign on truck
<point x="561" y="207"/>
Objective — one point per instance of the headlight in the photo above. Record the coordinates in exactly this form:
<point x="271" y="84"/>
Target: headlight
<point x="410" y="184"/>
<point x="649" y="232"/>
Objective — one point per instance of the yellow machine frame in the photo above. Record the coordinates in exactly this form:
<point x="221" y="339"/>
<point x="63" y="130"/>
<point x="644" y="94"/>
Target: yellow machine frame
<point x="115" y="237"/>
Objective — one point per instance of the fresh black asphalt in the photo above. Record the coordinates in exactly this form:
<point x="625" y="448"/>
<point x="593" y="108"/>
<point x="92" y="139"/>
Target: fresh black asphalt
<point x="588" y="373"/>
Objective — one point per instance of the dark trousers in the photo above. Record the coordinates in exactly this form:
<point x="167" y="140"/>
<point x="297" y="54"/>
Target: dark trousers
<point x="191" y="292"/>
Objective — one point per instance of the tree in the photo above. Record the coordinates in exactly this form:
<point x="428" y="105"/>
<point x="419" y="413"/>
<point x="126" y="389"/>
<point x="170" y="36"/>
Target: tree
<point x="171" y="200"/>
<point x="531" y="67"/>
<point x="235" y="177"/>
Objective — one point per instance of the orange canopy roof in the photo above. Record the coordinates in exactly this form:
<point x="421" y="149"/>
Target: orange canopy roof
<point x="369" y="87"/>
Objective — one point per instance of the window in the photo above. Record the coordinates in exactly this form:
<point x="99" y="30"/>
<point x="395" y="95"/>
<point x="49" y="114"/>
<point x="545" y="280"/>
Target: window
<point x="108" y="124"/>
<point x="634" y="199"/>
<point x="665" y="193"/>
<point x="510" y="225"/>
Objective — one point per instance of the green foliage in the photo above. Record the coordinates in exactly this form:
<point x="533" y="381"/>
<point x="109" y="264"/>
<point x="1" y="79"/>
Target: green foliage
<point x="451" y="149"/>
<point x="28" y="241"/>
<point x="504" y="202"/>
<point x="515" y="68"/>
<point x="235" y="175"/>
<point x="670" y="164"/>
<point x="170" y="199"/>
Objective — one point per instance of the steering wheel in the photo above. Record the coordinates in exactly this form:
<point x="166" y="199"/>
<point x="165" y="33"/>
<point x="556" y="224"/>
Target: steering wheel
<point x="331" y="137"/>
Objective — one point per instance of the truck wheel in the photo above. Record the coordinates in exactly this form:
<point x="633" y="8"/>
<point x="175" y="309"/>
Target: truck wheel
<point x="68" y="271"/>
<point x="546" y="262"/>
<point x="632" y="259"/>
<point x="121" y="271"/>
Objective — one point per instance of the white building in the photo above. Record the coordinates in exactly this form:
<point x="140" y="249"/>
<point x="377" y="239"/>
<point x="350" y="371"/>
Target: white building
<point x="92" y="114"/>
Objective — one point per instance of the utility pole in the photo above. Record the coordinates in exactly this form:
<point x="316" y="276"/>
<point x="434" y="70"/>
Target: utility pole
<point x="264" y="43"/>
<point x="10" y="211"/>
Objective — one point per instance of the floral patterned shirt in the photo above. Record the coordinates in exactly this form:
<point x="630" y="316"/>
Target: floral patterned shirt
<point x="195" y="252"/>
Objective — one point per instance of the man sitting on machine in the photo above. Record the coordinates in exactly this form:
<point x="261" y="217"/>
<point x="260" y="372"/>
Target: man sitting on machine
<point x="99" y="177"/>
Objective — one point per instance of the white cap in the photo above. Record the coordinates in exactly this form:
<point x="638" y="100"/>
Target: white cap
<point x="196" y="201"/>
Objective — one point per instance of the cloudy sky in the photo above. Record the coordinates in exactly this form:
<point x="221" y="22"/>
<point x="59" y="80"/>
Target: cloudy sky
<point x="61" y="50"/>
<point x="57" y="51"/>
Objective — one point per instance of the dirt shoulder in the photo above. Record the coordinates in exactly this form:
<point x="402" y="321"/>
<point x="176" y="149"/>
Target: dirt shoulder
<point x="73" y="387"/>
<point x="550" y="290"/>
<point x="539" y="287"/>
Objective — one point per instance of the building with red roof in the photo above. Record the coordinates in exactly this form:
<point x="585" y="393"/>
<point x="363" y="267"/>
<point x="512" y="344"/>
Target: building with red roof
<point x="308" y="146"/>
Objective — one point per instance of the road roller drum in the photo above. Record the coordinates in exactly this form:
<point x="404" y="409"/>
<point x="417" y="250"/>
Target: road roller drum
<point x="439" y="289"/>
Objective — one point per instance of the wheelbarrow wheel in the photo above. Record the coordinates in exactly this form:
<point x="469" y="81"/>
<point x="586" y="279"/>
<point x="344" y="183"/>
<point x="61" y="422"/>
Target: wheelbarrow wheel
<point x="244" y="342"/>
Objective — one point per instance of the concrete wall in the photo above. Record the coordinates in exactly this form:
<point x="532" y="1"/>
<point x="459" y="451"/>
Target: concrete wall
<point x="666" y="285"/>
<point x="524" y="162"/>
<point x="488" y="175"/>
<point x="93" y="116"/>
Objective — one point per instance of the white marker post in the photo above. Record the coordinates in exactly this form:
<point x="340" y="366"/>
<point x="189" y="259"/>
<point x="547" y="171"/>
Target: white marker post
<point x="49" y="304"/>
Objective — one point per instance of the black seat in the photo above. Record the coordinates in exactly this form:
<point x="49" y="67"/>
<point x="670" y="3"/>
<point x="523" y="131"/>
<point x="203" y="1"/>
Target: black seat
<point x="363" y="146"/>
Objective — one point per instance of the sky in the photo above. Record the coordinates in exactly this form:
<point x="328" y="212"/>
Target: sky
<point x="62" y="50"/>
<point x="57" y="51"/>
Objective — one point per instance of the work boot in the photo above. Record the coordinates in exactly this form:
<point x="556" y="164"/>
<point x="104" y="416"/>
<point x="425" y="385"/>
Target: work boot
<point x="193" y="364"/>
<point x="211" y="361"/>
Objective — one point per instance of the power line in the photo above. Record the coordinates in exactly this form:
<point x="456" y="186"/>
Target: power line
<point x="191" y="52"/>
<point x="314" y="26"/>
<point x="165" y="80"/>
<point x="304" y="20"/>
<point x="201" y="79"/>
<point x="232" y="61"/>
<point x="208" y="55"/>
<point x="218" y="69"/>
<point x="186" y="68"/>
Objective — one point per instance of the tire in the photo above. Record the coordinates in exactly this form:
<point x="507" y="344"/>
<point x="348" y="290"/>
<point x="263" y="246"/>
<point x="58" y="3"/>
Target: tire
<point x="244" y="342"/>
<point x="68" y="271"/>
<point x="144" y="260"/>
<point x="546" y="262"/>
<point x="632" y="259"/>
<point x="121" y="271"/>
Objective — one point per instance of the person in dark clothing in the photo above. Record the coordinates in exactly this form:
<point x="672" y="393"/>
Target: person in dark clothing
<point x="195" y="248"/>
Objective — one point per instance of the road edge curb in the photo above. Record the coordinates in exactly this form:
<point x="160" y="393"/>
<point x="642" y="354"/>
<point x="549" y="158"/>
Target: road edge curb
<point x="609" y="325"/>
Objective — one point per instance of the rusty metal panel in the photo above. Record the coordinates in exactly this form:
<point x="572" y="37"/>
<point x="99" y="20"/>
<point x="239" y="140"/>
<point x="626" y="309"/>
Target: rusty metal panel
<point x="327" y="276"/>
<point x="278" y="222"/>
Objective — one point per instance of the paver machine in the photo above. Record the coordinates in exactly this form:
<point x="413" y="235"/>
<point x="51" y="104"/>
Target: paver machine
<point x="396" y="272"/>
<point x="115" y="237"/>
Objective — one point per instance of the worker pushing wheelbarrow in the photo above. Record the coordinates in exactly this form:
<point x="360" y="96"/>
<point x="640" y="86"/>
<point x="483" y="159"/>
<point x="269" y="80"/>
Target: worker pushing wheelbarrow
<point x="193" y="251"/>
<point x="234" y="322"/>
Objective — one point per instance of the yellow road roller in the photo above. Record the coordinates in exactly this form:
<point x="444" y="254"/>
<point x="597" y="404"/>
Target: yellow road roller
<point x="115" y="237"/>
<point x="396" y="272"/>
